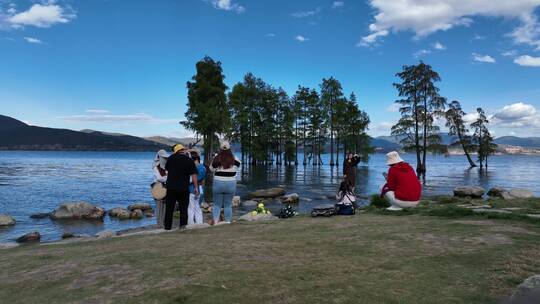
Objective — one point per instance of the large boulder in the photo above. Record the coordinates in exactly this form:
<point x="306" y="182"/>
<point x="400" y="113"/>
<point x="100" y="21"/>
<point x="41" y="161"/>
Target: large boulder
<point x="78" y="210"/>
<point x="290" y="199"/>
<point x="140" y="206"/>
<point x="6" y="220"/>
<point x="531" y="285"/>
<point x="257" y="217"/>
<point x="40" y="215"/>
<point x="267" y="193"/>
<point x="236" y="201"/>
<point x="496" y="192"/>
<point x="469" y="191"/>
<point x="29" y="237"/>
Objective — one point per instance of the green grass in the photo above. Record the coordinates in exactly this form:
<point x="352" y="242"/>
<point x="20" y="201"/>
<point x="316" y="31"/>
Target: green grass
<point x="366" y="258"/>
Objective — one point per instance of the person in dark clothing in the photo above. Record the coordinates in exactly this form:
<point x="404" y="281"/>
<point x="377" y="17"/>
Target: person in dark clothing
<point x="180" y="167"/>
<point x="349" y="168"/>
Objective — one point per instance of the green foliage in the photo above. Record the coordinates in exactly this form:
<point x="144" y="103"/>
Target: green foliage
<point x="420" y="104"/>
<point x="482" y="139"/>
<point x="447" y="210"/>
<point x="379" y="202"/>
<point x="207" y="112"/>
<point x="456" y="126"/>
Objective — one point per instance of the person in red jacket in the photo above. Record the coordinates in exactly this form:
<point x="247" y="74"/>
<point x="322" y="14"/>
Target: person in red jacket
<point x="402" y="189"/>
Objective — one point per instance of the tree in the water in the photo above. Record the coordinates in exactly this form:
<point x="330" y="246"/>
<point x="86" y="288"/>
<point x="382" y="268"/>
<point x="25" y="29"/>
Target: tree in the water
<point x="482" y="138"/>
<point x="420" y="104"/>
<point x="301" y="99"/>
<point x="207" y="112"/>
<point x="456" y="126"/>
<point x="331" y="94"/>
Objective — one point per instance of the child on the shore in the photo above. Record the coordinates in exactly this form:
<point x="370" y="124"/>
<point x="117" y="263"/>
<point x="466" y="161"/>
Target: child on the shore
<point x="194" y="210"/>
<point x="346" y="199"/>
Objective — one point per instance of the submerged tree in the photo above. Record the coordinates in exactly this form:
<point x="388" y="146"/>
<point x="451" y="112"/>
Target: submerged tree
<point x="456" y="126"/>
<point x="207" y="112"/>
<point x="420" y="104"/>
<point x="331" y="94"/>
<point x="482" y="138"/>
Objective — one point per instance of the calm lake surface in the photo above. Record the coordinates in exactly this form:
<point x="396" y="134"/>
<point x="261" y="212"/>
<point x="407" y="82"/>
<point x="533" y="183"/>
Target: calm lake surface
<point x="34" y="182"/>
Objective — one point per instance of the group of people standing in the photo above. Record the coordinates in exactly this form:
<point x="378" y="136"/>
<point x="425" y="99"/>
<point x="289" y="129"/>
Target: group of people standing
<point x="182" y="176"/>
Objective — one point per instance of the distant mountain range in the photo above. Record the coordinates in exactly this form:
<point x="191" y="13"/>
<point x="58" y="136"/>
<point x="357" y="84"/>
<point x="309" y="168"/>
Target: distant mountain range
<point x="16" y="135"/>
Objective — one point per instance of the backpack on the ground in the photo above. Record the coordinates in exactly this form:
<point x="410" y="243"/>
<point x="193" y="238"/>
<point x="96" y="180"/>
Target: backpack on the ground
<point x="323" y="210"/>
<point x="287" y="212"/>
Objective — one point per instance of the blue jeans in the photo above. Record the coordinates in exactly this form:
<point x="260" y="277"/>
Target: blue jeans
<point x="223" y="192"/>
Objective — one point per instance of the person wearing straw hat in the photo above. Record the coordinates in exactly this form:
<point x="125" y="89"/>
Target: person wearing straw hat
<point x="180" y="167"/>
<point x="158" y="187"/>
<point x="402" y="189"/>
<point x="224" y="166"/>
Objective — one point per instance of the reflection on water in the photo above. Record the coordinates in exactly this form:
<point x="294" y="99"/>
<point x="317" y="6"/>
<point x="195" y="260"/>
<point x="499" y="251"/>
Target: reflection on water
<point x="34" y="182"/>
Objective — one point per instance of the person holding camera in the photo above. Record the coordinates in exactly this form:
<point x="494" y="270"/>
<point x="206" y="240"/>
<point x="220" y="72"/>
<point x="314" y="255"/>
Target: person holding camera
<point x="349" y="168"/>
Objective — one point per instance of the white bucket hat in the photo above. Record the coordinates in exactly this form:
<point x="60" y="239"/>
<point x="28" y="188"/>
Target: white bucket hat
<point x="393" y="158"/>
<point x="225" y="145"/>
<point x="161" y="158"/>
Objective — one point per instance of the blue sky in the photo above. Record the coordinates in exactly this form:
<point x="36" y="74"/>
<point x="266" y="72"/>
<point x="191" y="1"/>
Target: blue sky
<point x="121" y="66"/>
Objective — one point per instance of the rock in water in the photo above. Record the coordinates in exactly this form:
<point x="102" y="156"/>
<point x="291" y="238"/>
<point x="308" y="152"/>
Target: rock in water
<point x="258" y="217"/>
<point x="496" y="192"/>
<point x="105" y="234"/>
<point x="29" y="237"/>
<point x="236" y="201"/>
<point x="267" y="193"/>
<point x="530" y="285"/>
<point x="6" y="220"/>
<point x="40" y="215"/>
<point x="149" y="214"/>
<point x="120" y="213"/>
<point x="137" y="214"/>
<point x="67" y="235"/>
<point x="78" y="210"/>
<point x="290" y="199"/>
<point x="469" y="191"/>
<point x="140" y="206"/>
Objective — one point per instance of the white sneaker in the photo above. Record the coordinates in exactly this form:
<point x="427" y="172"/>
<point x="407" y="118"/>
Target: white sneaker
<point x="394" y="208"/>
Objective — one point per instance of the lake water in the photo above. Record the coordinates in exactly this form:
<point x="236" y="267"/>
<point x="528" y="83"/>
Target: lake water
<point x="34" y="182"/>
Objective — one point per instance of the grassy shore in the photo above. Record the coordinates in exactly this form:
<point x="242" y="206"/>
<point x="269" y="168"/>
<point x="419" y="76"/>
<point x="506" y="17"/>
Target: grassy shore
<point x="367" y="258"/>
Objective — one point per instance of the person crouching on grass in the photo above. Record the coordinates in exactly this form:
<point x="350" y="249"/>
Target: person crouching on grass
<point x="180" y="167"/>
<point x="346" y="200"/>
<point x="195" y="215"/>
<point x="402" y="188"/>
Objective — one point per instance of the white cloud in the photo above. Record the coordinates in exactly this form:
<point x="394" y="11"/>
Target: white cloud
<point x="338" y="4"/>
<point x="483" y="58"/>
<point x="270" y="35"/>
<point x="40" y="15"/>
<point x="510" y="53"/>
<point x="517" y="115"/>
<point x="479" y="37"/>
<point x="470" y="117"/>
<point x="301" y="38"/>
<point x="228" y="5"/>
<point x="394" y="107"/>
<point x="528" y="61"/>
<point x="421" y="53"/>
<point x="304" y="14"/>
<point x="439" y="46"/>
<point x="426" y="17"/>
<point x="33" y="40"/>
<point x="103" y="116"/>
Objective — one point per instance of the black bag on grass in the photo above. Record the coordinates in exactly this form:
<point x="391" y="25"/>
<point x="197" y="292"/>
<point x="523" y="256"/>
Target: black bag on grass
<point x="287" y="212"/>
<point x="323" y="210"/>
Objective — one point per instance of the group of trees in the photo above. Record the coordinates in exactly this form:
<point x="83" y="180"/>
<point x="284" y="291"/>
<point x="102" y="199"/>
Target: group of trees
<point x="272" y="126"/>
<point x="420" y="106"/>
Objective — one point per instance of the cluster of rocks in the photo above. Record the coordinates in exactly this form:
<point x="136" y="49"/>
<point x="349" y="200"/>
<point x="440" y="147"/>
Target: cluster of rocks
<point x="134" y="211"/>
<point x="476" y="192"/>
<point x="77" y="211"/>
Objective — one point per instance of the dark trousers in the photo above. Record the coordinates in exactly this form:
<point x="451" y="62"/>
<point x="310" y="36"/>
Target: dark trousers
<point x="182" y="198"/>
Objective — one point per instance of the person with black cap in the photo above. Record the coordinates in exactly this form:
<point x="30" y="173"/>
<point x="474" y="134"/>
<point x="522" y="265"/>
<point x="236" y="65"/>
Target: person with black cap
<point x="180" y="167"/>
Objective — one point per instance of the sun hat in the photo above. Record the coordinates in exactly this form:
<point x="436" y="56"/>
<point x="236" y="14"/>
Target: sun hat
<point x="178" y="147"/>
<point x="163" y="154"/>
<point x="393" y="158"/>
<point x="225" y="145"/>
